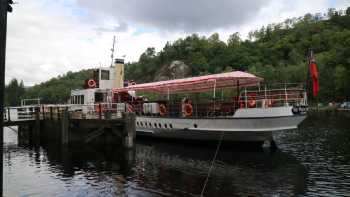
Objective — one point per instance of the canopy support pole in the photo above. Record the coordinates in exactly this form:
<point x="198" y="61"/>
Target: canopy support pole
<point x="238" y="94"/>
<point x="214" y="95"/>
<point x="168" y="95"/>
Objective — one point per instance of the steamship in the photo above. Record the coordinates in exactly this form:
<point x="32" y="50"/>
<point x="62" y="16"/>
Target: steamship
<point x="234" y="106"/>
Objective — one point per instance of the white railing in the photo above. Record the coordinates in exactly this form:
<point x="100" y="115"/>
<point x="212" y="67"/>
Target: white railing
<point x="76" y="111"/>
<point x="286" y="96"/>
<point x="17" y="114"/>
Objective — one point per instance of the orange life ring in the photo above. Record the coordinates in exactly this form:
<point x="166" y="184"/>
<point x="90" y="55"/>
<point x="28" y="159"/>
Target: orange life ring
<point x="91" y="83"/>
<point x="251" y="103"/>
<point x="251" y="100"/>
<point x="188" y="110"/>
<point x="162" y="110"/>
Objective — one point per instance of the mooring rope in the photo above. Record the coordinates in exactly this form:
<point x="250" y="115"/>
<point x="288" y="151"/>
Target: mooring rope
<point x="212" y="163"/>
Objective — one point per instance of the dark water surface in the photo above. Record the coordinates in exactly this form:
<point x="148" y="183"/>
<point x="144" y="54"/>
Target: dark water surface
<point x="311" y="161"/>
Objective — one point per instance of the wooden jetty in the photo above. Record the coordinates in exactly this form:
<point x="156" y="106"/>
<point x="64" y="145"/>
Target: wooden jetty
<point x="100" y="123"/>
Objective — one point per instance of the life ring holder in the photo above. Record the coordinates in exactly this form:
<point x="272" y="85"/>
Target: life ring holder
<point x="188" y="110"/>
<point x="91" y="83"/>
<point x="162" y="110"/>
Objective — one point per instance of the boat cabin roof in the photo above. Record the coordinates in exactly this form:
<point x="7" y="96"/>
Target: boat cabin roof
<point x="196" y="84"/>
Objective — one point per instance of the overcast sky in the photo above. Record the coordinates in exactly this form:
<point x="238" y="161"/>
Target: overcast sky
<point x="47" y="38"/>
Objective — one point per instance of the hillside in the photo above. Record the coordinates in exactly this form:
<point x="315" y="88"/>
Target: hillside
<point x="277" y="52"/>
<point x="56" y="90"/>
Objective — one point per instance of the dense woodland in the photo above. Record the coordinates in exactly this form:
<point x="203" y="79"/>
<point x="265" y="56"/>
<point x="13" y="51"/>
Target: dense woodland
<point x="277" y="52"/>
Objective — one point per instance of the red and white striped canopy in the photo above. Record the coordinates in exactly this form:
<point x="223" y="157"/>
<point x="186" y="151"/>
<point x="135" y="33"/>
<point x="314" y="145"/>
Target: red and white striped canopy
<point x="196" y="84"/>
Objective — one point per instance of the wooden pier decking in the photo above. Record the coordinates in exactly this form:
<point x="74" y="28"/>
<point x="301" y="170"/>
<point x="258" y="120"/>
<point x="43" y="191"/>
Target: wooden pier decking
<point x="69" y="124"/>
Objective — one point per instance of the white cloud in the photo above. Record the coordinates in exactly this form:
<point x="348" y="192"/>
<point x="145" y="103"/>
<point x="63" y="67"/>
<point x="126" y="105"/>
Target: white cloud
<point x="43" y="43"/>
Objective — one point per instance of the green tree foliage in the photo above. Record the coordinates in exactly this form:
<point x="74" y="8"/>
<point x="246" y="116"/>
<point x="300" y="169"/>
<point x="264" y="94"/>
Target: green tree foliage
<point x="277" y="52"/>
<point x="57" y="90"/>
<point x="14" y="92"/>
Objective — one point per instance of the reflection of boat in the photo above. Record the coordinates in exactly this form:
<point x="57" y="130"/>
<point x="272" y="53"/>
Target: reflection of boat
<point x="179" y="169"/>
<point x="179" y="111"/>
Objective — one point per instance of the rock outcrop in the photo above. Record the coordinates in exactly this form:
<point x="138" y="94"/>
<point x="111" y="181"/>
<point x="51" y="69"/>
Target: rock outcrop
<point x="176" y="70"/>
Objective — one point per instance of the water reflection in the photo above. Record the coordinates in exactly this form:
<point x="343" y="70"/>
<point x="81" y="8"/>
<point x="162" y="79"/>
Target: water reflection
<point x="182" y="170"/>
<point x="322" y="146"/>
<point x="158" y="169"/>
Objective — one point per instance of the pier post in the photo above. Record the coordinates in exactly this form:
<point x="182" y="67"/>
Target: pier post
<point x="51" y="118"/>
<point x="36" y="128"/>
<point x="65" y="127"/>
<point x="129" y="130"/>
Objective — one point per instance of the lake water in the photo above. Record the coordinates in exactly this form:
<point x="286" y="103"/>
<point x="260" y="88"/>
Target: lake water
<point x="311" y="161"/>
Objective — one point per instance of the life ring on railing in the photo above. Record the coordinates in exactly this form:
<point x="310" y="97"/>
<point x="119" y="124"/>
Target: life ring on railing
<point x="251" y="100"/>
<point x="188" y="110"/>
<point x="162" y="110"/>
<point x="251" y="103"/>
<point x="91" y="83"/>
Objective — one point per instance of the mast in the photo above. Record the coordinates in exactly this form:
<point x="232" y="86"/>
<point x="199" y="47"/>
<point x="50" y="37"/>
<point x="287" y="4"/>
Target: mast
<point x="112" y="49"/>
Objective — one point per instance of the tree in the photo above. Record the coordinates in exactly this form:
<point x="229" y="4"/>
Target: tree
<point x="234" y="40"/>
<point x="14" y="92"/>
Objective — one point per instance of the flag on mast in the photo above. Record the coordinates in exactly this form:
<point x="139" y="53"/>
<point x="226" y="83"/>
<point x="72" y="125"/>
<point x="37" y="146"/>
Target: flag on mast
<point x="313" y="74"/>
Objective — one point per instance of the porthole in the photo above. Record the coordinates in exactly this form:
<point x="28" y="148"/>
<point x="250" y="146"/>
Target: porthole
<point x="155" y="125"/>
<point x="166" y="126"/>
<point x="137" y="123"/>
<point x="195" y="125"/>
<point x="160" y="125"/>
<point x="141" y="124"/>
<point x="150" y="124"/>
<point x="171" y="126"/>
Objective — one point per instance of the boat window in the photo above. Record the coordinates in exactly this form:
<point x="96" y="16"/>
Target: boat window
<point x="82" y="99"/>
<point x="98" y="97"/>
<point x="155" y="125"/>
<point x="166" y="126"/>
<point x="160" y="125"/>
<point x="150" y="124"/>
<point x="104" y="74"/>
<point x="141" y="124"/>
<point x="171" y="126"/>
<point x="195" y="125"/>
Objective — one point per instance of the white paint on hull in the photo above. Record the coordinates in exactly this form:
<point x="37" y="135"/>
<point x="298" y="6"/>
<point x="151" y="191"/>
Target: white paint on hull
<point x="264" y="112"/>
<point x="236" y="129"/>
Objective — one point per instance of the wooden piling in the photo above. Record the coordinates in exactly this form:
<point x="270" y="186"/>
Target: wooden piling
<point x="129" y="130"/>
<point x="36" y="128"/>
<point x="64" y="127"/>
<point x="51" y="118"/>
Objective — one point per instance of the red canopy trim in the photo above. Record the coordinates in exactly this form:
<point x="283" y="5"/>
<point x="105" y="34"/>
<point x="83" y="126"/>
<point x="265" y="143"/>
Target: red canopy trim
<point x="196" y="84"/>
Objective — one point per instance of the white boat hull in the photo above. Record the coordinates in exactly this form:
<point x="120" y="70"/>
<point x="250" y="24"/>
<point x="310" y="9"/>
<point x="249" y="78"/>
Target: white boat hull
<point x="235" y="129"/>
